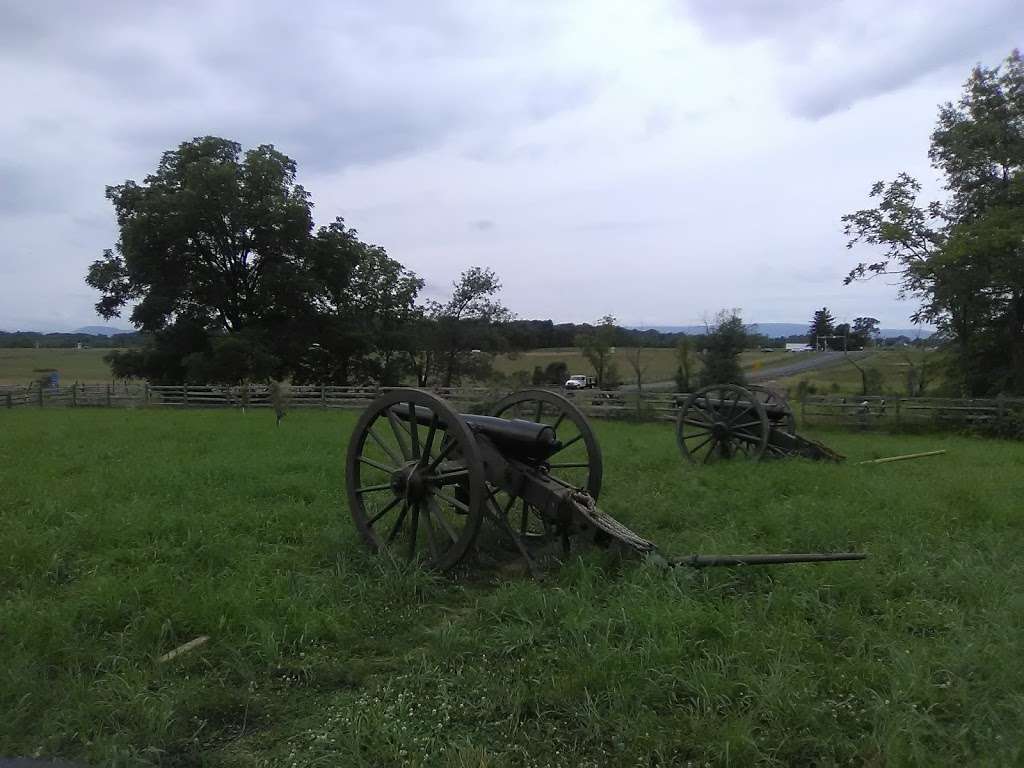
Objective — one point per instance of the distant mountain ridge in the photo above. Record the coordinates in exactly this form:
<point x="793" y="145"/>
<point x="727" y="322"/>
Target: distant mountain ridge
<point x="101" y="330"/>
<point x="781" y="329"/>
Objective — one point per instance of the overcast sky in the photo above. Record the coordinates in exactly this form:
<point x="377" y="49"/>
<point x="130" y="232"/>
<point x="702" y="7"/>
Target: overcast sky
<point x="653" y="160"/>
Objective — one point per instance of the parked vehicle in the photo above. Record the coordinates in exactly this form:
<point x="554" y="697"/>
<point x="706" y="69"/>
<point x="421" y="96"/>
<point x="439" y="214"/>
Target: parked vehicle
<point x="579" y="381"/>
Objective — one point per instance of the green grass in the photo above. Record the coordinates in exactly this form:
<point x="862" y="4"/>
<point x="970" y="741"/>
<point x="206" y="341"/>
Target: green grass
<point x="846" y="379"/>
<point x="21" y="366"/>
<point x="126" y="533"/>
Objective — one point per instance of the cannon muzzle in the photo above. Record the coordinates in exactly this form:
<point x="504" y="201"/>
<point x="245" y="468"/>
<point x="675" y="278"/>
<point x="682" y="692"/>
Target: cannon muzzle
<point x="708" y="561"/>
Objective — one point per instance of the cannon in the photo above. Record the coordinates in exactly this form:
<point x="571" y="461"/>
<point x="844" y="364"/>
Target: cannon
<point x="423" y="479"/>
<point x="726" y="421"/>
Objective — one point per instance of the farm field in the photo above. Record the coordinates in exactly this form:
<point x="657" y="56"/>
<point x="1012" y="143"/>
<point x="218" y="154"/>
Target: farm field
<point x="661" y="362"/>
<point x="19" y="366"/>
<point x="845" y="379"/>
<point x="129" y="532"/>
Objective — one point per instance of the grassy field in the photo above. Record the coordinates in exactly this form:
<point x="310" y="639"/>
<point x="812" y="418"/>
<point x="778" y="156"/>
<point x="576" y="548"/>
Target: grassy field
<point x="661" y="363"/>
<point x="21" y="366"/>
<point x="845" y="378"/>
<point x="129" y="532"/>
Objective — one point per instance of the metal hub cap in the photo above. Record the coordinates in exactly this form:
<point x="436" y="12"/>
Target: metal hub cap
<point x="410" y="482"/>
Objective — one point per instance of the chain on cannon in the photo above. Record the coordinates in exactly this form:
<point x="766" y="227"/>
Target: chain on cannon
<point x="433" y="485"/>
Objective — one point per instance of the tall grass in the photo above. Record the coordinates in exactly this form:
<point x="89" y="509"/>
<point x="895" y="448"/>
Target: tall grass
<point x="127" y="533"/>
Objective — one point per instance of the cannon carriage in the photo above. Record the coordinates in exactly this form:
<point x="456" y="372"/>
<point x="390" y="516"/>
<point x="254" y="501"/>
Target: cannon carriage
<point x="424" y="481"/>
<point x="727" y="421"/>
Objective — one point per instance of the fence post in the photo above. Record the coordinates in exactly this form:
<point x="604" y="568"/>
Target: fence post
<point x="323" y="395"/>
<point x="145" y="394"/>
<point x="184" y="393"/>
<point x="1000" y="408"/>
<point x="40" y="395"/>
<point x="10" y="404"/>
<point x="108" y="395"/>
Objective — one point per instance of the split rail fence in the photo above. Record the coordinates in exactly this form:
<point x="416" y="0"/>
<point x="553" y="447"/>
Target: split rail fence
<point x="862" y="412"/>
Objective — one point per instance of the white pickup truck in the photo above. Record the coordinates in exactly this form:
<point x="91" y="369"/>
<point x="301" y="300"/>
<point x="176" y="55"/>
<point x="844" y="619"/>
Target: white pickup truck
<point x="581" y="382"/>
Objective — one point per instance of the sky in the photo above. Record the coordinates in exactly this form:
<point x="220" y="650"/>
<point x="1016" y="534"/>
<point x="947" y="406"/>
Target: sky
<point x="653" y="160"/>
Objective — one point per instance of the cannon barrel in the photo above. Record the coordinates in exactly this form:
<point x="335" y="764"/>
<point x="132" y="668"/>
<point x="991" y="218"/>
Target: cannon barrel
<point x="774" y="410"/>
<point x="521" y="438"/>
<point x="709" y="561"/>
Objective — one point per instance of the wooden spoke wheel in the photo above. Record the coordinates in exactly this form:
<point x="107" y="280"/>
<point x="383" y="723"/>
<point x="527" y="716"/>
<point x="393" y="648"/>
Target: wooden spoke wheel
<point x="576" y="464"/>
<point x="776" y="406"/>
<point x="723" y="421"/>
<point x="415" y="479"/>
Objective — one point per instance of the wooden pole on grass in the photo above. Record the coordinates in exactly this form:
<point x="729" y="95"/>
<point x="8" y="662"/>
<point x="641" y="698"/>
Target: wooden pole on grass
<point x="904" y="457"/>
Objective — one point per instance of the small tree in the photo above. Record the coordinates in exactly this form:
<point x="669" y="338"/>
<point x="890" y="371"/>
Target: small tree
<point x="873" y="382"/>
<point x="639" y="364"/>
<point x="456" y="339"/>
<point x="597" y="347"/>
<point x="917" y="371"/>
<point x="686" y="360"/>
<point x="865" y="332"/>
<point x="726" y="338"/>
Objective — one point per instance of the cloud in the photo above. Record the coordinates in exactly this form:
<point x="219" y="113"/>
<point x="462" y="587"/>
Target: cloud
<point x="837" y="54"/>
<point x="679" y="144"/>
<point x="338" y="84"/>
<point x="22" y="191"/>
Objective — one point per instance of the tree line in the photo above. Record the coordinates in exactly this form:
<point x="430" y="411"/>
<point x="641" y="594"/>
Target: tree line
<point x="228" y="280"/>
<point x="30" y="339"/>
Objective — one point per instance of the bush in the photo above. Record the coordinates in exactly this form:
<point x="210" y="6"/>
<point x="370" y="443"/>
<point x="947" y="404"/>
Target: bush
<point x="873" y="381"/>
<point x="1009" y="427"/>
<point x="805" y="388"/>
<point x="552" y="375"/>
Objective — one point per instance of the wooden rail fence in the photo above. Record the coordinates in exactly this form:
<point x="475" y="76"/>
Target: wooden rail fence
<point x="867" y="412"/>
<point x="862" y="412"/>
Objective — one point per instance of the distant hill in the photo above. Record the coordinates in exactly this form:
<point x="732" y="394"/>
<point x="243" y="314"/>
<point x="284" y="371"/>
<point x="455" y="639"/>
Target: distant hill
<point x="781" y="329"/>
<point x="101" y="330"/>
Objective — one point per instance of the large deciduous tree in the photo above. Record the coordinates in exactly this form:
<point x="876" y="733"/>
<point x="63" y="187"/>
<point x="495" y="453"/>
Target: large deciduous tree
<point x="963" y="258"/>
<point x="217" y="248"/>
<point x="212" y="235"/>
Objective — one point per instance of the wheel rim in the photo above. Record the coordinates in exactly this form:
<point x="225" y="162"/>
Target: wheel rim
<point x="578" y="464"/>
<point x="722" y="421"/>
<point x="415" y="489"/>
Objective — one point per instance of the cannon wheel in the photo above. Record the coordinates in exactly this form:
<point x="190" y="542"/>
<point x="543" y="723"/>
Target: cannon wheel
<point x="721" y="422"/>
<point x="577" y="464"/>
<point x="417" y="490"/>
<point x="772" y="399"/>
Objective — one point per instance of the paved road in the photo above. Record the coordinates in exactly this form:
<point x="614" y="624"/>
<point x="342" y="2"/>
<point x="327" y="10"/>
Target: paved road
<point x="809" y="363"/>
